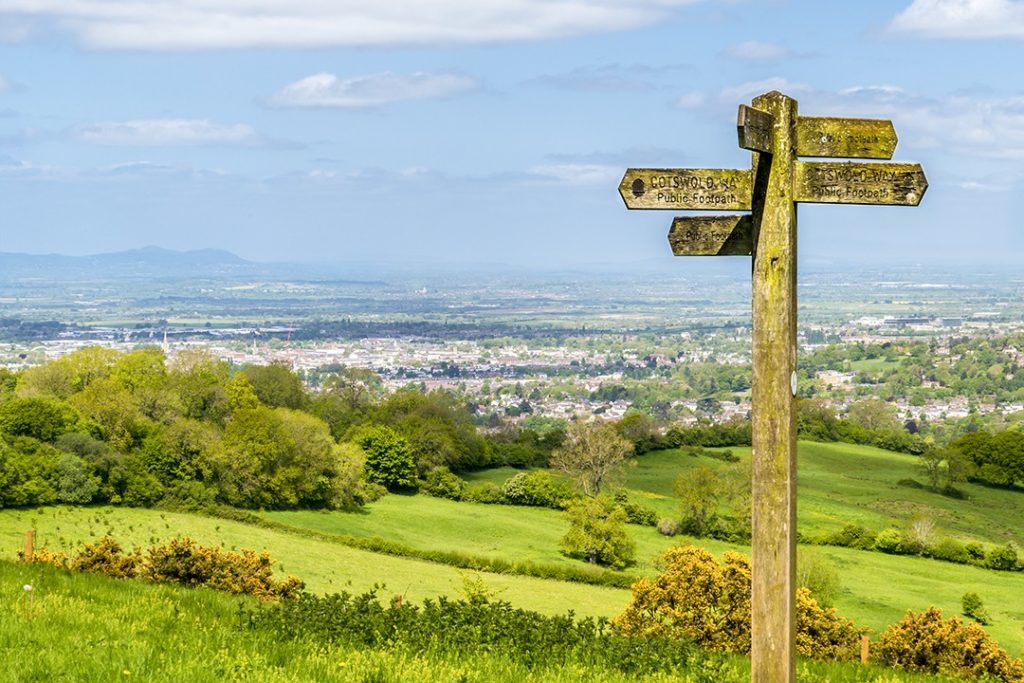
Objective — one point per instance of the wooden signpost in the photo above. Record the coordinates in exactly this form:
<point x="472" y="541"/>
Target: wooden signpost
<point x="778" y="179"/>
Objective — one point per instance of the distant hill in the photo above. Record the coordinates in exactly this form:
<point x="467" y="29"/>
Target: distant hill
<point x="148" y="261"/>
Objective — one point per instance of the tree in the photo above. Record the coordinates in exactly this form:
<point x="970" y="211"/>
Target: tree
<point x="593" y="454"/>
<point x="700" y="491"/>
<point x="874" y="414"/>
<point x="277" y="386"/>
<point x="281" y="458"/>
<point x="240" y="393"/>
<point x="198" y="378"/>
<point x="389" y="460"/>
<point x="597" y="533"/>
<point x="931" y="464"/>
<point x="639" y="429"/>
<point x="68" y="374"/>
<point x="40" y="418"/>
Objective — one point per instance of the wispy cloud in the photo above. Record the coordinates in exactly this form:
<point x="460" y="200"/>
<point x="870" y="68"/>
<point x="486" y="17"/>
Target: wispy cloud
<point x="744" y="91"/>
<point x="976" y="124"/>
<point x="960" y="19"/>
<point x="580" y="174"/>
<point x="165" y="132"/>
<point x="757" y="51"/>
<point x="691" y="100"/>
<point x="610" y="78"/>
<point x="372" y="90"/>
<point x="214" y="24"/>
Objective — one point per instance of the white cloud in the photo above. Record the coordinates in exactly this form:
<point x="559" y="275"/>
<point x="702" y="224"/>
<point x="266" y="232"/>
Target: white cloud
<point x="580" y="174"/>
<point x="372" y="90"/>
<point x="754" y="50"/>
<point x="963" y="19"/>
<point x="744" y="91"/>
<point x="691" y="100"/>
<point x="212" y="24"/>
<point x="975" y="125"/>
<point x="166" y="132"/>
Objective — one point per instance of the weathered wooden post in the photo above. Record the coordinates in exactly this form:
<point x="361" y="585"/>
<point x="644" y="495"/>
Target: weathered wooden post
<point x="30" y="540"/>
<point x="773" y="551"/>
<point x="777" y="136"/>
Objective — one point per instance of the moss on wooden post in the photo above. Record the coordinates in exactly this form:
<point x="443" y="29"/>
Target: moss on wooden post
<point x="773" y="610"/>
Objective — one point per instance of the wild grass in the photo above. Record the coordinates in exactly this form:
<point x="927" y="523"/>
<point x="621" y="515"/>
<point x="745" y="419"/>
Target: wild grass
<point x="79" y="627"/>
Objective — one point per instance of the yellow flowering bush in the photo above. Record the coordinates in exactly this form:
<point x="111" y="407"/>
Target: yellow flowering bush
<point x="697" y="598"/>
<point x="925" y="642"/>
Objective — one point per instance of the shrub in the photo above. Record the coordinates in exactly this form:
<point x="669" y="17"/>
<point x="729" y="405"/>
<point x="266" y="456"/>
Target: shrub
<point x="183" y="562"/>
<point x="75" y="483"/>
<point x="530" y="639"/>
<point x="821" y="633"/>
<point x="696" y="598"/>
<point x="815" y="573"/>
<point x="975" y="553"/>
<point x="950" y="550"/>
<point x="669" y="527"/>
<point x="974" y="608"/>
<point x="106" y="557"/>
<point x="852" y="536"/>
<point x="925" y="642"/>
<point x="485" y="492"/>
<point x="441" y="483"/>
<point x="1003" y="558"/>
<point x="597" y="533"/>
<point x="889" y="541"/>
<point x="635" y="512"/>
<point x="389" y="458"/>
<point x="539" y="488"/>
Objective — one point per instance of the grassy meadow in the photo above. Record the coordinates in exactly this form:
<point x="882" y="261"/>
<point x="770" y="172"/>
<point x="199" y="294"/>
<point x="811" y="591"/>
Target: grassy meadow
<point x="876" y="589"/>
<point x="116" y="630"/>
<point x="839" y="484"/>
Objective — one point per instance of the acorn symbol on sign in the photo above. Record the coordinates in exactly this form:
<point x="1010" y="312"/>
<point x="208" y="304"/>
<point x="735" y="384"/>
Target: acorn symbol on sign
<point x="638" y="188"/>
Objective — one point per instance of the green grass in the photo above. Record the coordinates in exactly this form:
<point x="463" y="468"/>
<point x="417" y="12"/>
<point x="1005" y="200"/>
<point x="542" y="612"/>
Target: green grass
<point x="840" y="484"/>
<point x="111" y="630"/>
<point x="877" y="589"/>
<point x="80" y="627"/>
<point x="872" y="365"/>
<point x="326" y="567"/>
<point x="496" y="531"/>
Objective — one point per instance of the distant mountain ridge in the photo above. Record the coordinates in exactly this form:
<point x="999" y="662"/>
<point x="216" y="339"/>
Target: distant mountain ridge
<point x="157" y="262"/>
<point x="151" y="261"/>
<point x="152" y="255"/>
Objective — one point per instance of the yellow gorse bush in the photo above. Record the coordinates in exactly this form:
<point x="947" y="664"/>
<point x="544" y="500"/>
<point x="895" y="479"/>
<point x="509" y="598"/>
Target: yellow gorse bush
<point x="697" y="598"/>
<point x="925" y="642"/>
<point x="181" y="561"/>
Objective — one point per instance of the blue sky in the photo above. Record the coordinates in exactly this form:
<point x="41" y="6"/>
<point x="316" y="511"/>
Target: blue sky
<point x="484" y="131"/>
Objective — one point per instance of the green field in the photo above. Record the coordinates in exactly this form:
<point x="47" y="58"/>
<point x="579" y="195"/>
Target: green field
<point x="325" y="567"/>
<point x="876" y="588"/>
<point x="111" y="630"/>
<point x="839" y="484"/>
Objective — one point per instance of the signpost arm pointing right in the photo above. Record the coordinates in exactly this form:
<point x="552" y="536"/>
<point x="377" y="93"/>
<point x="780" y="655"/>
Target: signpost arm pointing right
<point x="773" y="610"/>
